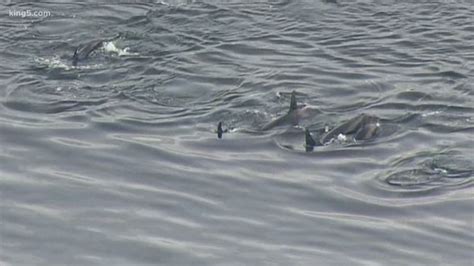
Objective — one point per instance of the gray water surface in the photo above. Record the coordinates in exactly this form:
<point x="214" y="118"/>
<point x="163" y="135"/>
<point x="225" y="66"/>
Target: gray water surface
<point x="116" y="161"/>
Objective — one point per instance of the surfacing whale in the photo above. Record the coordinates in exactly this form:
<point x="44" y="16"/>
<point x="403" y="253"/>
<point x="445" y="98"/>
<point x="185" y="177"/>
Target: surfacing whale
<point x="292" y="117"/>
<point x="362" y="127"/>
<point x="83" y="51"/>
<point x="359" y="128"/>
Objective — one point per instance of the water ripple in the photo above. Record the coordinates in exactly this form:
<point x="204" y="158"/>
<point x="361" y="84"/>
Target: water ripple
<point x="117" y="161"/>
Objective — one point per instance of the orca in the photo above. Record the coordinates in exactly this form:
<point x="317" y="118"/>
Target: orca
<point x="83" y="51"/>
<point x="362" y="127"/>
<point x="292" y="117"/>
<point x="369" y="128"/>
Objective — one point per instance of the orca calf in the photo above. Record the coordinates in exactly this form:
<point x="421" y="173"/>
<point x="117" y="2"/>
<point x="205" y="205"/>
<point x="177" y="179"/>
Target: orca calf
<point x="362" y="127"/>
<point x="83" y="51"/>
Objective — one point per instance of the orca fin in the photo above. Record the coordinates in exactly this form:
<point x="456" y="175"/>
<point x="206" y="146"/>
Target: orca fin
<point x="293" y="102"/>
<point x="309" y="139"/>
<point x="75" y="57"/>
<point x="219" y="130"/>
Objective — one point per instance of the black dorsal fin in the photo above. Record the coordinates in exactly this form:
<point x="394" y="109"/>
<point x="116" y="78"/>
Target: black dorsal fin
<point x="75" y="57"/>
<point x="219" y="130"/>
<point x="309" y="141"/>
<point x="293" y="102"/>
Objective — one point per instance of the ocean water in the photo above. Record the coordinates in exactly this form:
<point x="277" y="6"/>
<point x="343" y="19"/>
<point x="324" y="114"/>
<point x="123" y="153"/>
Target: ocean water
<point x="116" y="161"/>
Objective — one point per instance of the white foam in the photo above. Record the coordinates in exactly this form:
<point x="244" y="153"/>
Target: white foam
<point x="431" y="113"/>
<point x="53" y="62"/>
<point x="111" y="48"/>
<point x="341" y="137"/>
<point x="56" y="63"/>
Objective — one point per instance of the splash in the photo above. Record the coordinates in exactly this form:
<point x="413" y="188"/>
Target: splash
<point x="56" y="62"/>
<point x="53" y="62"/>
<point x="111" y="48"/>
